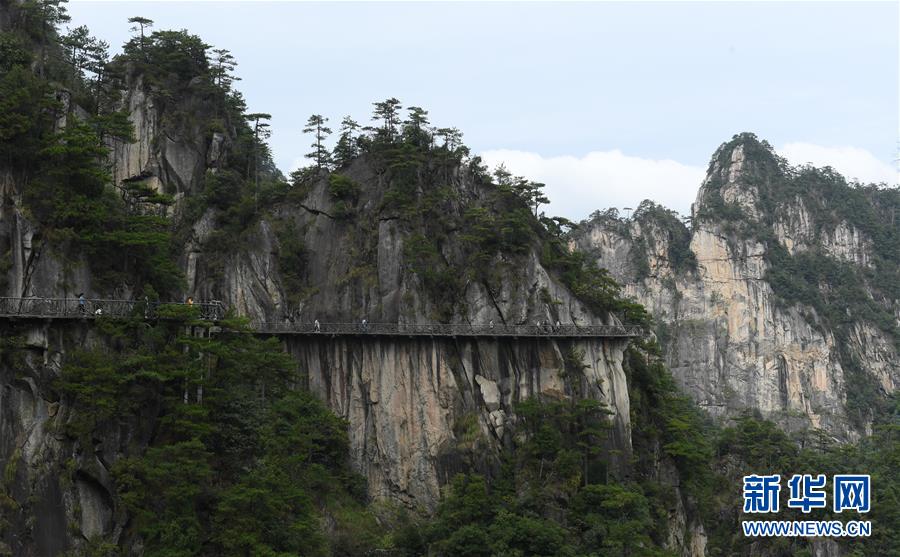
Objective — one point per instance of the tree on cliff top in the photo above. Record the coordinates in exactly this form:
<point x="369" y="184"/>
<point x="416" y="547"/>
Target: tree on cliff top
<point x="388" y="112"/>
<point x="221" y="71"/>
<point x="346" y="149"/>
<point x="261" y="131"/>
<point x="316" y="126"/>
<point x="141" y="23"/>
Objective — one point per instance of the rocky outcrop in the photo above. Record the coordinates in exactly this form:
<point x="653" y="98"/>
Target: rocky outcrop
<point x="418" y="410"/>
<point x="421" y="410"/>
<point x="731" y="343"/>
<point x="404" y="399"/>
<point x="167" y="155"/>
<point x="358" y="268"/>
<point x="30" y="266"/>
<point x="57" y="493"/>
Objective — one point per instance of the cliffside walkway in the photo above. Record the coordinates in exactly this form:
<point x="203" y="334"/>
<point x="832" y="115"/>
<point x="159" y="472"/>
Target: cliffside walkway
<point x="450" y="330"/>
<point x="72" y="309"/>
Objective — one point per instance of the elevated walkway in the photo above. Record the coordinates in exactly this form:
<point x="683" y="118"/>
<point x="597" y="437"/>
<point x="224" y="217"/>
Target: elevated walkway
<point x="73" y="309"/>
<point x="449" y="330"/>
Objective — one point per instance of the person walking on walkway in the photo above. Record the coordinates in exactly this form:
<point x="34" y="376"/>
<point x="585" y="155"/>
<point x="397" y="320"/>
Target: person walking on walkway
<point x="316" y="326"/>
<point x="81" y="301"/>
<point x="365" y="325"/>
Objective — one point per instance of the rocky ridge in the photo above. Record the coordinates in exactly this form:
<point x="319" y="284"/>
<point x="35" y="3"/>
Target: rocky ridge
<point x="730" y="341"/>
<point x="418" y="410"/>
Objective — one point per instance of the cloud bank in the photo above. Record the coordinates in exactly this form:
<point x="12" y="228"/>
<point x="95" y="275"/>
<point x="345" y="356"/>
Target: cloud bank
<point x="577" y="186"/>
<point x="852" y="162"/>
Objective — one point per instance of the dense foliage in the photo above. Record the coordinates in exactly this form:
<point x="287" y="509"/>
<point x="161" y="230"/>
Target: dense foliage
<point x="551" y="496"/>
<point x="61" y="156"/>
<point x="234" y="459"/>
<point x="61" y="111"/>
<point x="229" y="457"/>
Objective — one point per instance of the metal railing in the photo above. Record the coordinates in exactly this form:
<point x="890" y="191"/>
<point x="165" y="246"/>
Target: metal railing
<point x="450" y="330"/>
<point x="75" y="308"/>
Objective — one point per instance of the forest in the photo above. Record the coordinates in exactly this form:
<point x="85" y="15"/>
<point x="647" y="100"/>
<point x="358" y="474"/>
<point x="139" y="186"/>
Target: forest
<point x="240" y="458"/>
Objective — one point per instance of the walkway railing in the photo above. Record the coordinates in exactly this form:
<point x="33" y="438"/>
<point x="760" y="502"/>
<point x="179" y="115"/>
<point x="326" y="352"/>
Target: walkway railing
<point x="74" y="308"/>
<point x="440" y="329"/>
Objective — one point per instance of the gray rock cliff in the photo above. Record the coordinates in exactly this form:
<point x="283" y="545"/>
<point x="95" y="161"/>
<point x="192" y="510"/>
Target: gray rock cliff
<point x="729" y="339"/>
<point x="418" y="410"/>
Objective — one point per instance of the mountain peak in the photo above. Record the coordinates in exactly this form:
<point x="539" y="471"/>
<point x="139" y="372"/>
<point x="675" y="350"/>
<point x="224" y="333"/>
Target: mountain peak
<point x="744" y="155"/>
<point x="736" y="172"/>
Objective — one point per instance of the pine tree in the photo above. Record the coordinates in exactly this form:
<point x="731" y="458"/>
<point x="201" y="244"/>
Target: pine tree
<point x="531" y="192"/>
<point x="260" y="130"/>
<point x="388" y="112"/>
<point x="502" y="175"/>
<point x="97" y="62"/>
<point x="27" y="109"/>
<point x="141" y="23"/>
<point x="42" y="18"/>
<point x="536" y="195"/>
<point x="223" y="64"/>
<point x="114" y="124"/>
<point x="78" y="42"/>
<point x="452" y="138"/>
<point x="415" y="127"/>
<point x="346" y="149"/>
<point x="316" y="125"/>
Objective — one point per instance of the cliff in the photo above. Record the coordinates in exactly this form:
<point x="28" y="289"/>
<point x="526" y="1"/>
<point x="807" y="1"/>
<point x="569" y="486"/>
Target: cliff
<point x="176" y="435"/>
<point x="415" y="406"/>
<point x="418" y="411"/>
<point x="776" y="298"/>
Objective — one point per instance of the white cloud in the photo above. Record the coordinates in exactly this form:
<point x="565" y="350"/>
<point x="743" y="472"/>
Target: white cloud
<point x="852" y="162"/>
<point x="577" y="186"/>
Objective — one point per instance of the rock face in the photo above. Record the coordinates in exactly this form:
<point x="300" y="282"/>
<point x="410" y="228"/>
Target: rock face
<point x="422" y="410"/>
<point x="358" y="268"/>
<point x="166" y="156"/>
<point x="57" y="495"/>
<point x="405" y="399"/>
<point x="731" y="343"/>
<point x="419" y="410"/>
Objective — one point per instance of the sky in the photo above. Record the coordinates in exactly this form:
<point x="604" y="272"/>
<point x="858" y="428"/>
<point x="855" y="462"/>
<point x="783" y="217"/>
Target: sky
<point x="607" y="103"/>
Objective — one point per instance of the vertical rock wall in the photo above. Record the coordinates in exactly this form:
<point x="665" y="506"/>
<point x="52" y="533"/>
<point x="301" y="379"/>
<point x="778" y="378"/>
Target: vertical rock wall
<point x="422" y="409"/>
<point x="731" y="344"/>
